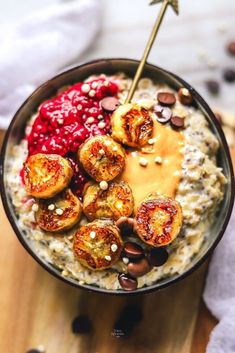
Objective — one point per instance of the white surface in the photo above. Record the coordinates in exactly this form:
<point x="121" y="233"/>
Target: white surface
<point x="219" y="293"/>
<point x="38" y="46"/>
<point x="203" y="27"/>
<point x="127" y="26"/>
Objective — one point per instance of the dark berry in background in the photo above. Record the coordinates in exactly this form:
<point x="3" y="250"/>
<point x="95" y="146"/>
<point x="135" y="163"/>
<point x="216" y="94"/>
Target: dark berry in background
<point x="213" y="86"/>
<point x="81" y="324"/>
<point x="229" y="75"/>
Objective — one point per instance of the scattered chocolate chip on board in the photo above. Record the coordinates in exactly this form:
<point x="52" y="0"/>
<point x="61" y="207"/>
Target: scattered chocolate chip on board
<point x="213" y="86"/>
<point x="81" y="324"/>
<point x="229" y="75"/>
<point x="130" y="316"/>
<point x="231" y="48"/>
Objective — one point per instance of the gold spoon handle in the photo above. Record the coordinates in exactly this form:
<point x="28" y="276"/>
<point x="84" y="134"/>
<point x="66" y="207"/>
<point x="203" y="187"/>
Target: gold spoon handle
<point x="147" y="50"/>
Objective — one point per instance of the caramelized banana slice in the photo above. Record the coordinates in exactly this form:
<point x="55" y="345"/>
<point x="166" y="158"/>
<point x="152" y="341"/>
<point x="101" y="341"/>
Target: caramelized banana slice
<point x="59" y="213"/>
<point x="158" y="220"/>
<point x="45" y="175"/>
<point x="98" y="245"/>
<point x="132" y="125"/>
<point x="115" y="202"/>
<point x="102" y="157"/>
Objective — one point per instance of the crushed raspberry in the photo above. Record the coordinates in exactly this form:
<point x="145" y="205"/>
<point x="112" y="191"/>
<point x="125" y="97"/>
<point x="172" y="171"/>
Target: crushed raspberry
<point x="64" y="122"/>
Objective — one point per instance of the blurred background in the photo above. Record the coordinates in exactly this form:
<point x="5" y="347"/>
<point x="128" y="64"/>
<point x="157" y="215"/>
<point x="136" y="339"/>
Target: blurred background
<point x="192" y="45"/>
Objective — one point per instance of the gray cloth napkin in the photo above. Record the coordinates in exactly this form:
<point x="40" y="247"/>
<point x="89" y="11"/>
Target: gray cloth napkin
<point x="40" y="45"/>
<point x="219" y="294"/>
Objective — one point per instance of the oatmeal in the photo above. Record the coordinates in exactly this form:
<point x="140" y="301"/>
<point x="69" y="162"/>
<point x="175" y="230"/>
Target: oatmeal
<point x="175" y="156"/>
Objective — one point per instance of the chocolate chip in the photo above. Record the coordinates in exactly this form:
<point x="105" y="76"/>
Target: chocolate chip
<point x="132" y="313"/>
<point x="130" y="316"/>
<point x="166" y="98"/>
<point x="213" y="86"/>
<point x="231" y="48"/>
<point x="126" y="225"/>
<point x="185" y="96"/>
<point x="157" y="257"/>
<point x="133" y="250"/>
<point x="163" y="114"/>
<point x="109" y="104"/>
<point x="177" y="122"/>
<point x="33" y="351"/>
<point x="229" y="75"/>
<point x="81" y="324"/>
<point x="127" y="282"/>
<point x="158" y="110"/>
<point x="138" y="268"/>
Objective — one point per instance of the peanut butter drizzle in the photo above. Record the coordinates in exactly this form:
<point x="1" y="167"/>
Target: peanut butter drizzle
<point x="164" y="177"/>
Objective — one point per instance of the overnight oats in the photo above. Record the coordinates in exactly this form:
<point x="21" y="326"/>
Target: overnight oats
<point x="116" y="195"/>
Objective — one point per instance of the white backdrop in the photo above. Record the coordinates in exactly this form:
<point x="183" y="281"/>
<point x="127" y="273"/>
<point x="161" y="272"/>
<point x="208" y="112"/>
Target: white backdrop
<point x="188" y="45"/>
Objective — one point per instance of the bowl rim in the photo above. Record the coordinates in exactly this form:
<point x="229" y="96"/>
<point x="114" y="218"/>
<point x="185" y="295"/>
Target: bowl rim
<point x="92" y="288"/>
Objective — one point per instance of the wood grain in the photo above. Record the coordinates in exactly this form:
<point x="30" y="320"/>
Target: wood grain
<point x="204" y="325"/>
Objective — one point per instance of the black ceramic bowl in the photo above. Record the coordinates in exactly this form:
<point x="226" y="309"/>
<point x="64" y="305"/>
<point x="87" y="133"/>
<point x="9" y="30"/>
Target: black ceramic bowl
<point x="109" y="66"/>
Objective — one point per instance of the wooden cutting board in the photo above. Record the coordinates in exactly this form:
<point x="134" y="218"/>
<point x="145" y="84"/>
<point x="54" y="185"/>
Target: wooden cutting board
<point x="37" y="310"/>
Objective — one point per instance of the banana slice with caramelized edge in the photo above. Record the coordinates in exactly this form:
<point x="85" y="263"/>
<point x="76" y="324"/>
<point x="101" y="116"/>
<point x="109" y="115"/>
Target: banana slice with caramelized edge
<point x="45" y="175"/>
<point x="102" y="157"/>
<point x="98" y="245"/>
<point x="115" y="202"/>
<point x="158" y="220"/>
<point x="132" y="125"/>
<point x="59" y="213"/>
